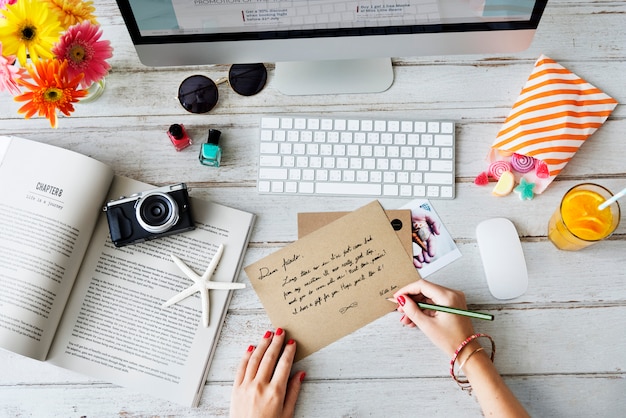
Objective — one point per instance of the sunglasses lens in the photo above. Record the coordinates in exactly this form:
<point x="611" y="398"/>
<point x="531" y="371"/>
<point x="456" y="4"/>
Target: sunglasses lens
<point x="197" y="94"/>
<point x="247" y="79"/>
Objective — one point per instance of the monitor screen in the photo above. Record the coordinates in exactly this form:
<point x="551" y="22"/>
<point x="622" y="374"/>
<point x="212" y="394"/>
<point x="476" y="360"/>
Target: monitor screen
<point x="197" y="32"/>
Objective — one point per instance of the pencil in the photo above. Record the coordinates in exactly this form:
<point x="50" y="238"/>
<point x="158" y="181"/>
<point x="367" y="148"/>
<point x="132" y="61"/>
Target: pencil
<point x="440" y="308"/>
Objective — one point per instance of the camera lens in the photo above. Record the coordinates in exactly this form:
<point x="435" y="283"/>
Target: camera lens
<point x="157" y="212"/>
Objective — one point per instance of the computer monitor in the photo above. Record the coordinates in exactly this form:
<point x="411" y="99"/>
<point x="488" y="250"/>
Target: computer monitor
<point x="325" y="46"/>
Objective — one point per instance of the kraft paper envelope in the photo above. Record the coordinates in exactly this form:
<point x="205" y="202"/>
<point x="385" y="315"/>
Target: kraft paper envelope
<point x="334" y="280"/>
<point x="400" y="221"/>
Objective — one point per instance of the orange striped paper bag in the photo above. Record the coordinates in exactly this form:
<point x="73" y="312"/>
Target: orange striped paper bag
<point x="554" y="114"/>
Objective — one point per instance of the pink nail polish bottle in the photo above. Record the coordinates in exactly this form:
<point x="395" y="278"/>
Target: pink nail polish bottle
<point x="179" y="137"/>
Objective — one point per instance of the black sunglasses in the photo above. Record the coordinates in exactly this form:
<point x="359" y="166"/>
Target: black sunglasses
<point x="198" y="94"/>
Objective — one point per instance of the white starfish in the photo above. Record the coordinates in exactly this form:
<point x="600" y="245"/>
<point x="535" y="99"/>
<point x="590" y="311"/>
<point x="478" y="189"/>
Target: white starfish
<point x="202" y="284"/>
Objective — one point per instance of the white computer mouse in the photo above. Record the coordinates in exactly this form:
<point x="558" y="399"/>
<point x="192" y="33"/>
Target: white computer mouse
<point x="503" y="258"/>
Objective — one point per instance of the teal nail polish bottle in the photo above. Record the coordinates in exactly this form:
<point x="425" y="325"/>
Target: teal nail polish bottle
<point x="211" y="153"/>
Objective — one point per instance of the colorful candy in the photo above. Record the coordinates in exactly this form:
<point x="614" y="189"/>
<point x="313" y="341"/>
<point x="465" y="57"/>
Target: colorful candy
<point x="542" y="170"/>
<point x="497" y="168"/>
<point x="525" y="189"/>
<point x="482" y="179"/>
<point x="505" y="184"/>
<point x="522" y="163"/>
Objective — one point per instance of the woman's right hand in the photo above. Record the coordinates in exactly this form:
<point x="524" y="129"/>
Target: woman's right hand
<point x="445" y="330"/>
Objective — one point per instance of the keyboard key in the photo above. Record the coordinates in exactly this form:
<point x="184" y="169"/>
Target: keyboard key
<point x="391" y="190"/>
<point x="270" y="123"/>
<point x="433" y="127"/>
<point x="299" y="123"/>
<point x="278" y="187"/>
<point x="441" y="165"/>
<point x="306" y="188"/>
<point x="406" y="190"/>
<point x="353" y="125"/>
<point x="419" y="191"/>
<point x="266" y="135"/>
<point x="438" y="178"/>
<point x="291" y="187"/>
<point x="393" y="126"/>
<point x="286" y="123"/>
<point x="444" y="140"/>
<point x="446" y="191"/>
<point x="269" y="148"/>
<point x="273" y="173"/>
<point x="447" y="127"/>
<point x="432" y="191"/>
<point x="270" y="161"/>
<point x="264" y="186"/>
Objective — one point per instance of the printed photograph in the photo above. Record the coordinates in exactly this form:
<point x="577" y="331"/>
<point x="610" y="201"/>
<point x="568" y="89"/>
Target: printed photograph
<point x="433" y="247"/>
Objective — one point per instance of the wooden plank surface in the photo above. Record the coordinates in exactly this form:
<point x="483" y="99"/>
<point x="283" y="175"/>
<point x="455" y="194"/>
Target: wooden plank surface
<point x="560" y="345"/>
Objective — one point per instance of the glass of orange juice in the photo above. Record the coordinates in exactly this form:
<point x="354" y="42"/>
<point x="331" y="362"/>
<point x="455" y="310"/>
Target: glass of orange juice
<point x="578" y="222"/>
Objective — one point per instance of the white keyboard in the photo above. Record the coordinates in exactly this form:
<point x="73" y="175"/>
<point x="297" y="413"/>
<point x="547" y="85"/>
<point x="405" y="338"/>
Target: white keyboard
<point x="326" y="156"/>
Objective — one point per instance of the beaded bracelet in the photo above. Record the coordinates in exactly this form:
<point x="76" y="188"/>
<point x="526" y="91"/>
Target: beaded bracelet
<point x="464" y="383"/>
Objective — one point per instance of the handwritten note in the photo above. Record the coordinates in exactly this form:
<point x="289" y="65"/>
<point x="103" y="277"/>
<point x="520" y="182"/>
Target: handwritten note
<point x="334" y="280"/>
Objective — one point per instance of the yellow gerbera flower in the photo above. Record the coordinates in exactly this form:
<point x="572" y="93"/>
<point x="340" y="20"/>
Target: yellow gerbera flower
<point x="28" y="26"/>
<point x="50" y="90"/>
<point x="71" y="12"/>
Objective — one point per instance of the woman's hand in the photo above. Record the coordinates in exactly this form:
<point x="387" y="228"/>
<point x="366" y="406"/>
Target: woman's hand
<point x="445" y="330"/>
<point x="262" y="386"/>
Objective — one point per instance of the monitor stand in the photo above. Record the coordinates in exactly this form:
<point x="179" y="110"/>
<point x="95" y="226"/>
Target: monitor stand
<point x="332" y="77"/>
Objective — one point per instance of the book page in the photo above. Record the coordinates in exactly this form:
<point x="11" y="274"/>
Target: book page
<point x="114" y="327"/>
<point x="51" y="198"/>
<point x="334" y="280"/>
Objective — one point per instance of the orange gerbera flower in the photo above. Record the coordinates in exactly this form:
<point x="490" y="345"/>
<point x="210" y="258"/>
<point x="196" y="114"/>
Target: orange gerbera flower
<point x="51" y="90"/>
<point x="71" y="12"/>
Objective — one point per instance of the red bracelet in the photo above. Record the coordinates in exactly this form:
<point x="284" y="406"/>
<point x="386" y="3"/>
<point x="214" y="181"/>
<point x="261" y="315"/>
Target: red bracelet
<point x="464" y="383"/>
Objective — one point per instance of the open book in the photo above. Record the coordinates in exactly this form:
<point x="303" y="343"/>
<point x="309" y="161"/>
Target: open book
<point x="70" y="297"/>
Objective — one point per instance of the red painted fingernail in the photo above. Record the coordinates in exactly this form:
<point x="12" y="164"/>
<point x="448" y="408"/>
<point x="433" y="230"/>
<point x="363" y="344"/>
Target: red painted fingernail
<point x="401" y="300"/>
<point x="302" y="376"/>
<point x="291" y="341"/>
<point x="250" y="349"/>
<point x="267" y="334"/>
<point x="402" y="319"/>
<point x="279" y="331"/>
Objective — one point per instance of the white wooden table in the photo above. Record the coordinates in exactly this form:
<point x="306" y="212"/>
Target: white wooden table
<point x="560" y="345"/>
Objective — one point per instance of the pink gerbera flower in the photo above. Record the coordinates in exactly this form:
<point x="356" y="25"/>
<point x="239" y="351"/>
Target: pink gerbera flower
<point x="10" y="73"/>
<point x="4" y="3"/>
<point x="85" y="53"/>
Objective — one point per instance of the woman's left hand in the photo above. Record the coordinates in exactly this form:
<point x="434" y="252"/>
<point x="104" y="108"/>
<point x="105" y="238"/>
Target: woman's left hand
<point x="262" y="386"/>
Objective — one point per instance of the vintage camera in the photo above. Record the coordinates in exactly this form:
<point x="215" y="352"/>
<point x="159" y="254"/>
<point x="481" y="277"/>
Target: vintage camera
<point x="149" y="215"/>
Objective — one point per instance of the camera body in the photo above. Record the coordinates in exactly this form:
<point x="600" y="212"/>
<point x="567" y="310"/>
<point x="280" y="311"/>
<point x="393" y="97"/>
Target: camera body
<point x="148" y="215"/>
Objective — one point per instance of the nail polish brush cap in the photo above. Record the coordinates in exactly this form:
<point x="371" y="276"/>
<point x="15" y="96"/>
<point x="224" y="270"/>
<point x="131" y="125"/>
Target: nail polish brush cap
<point x="214" y="137"/>
<point x="176" y="131"/>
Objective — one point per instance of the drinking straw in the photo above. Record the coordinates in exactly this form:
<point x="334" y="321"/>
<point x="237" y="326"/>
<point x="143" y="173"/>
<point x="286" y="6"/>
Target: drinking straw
<point x="612" y="199"/>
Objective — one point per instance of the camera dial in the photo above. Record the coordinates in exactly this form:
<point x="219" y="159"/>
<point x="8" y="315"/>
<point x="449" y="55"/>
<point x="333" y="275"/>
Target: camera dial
<point x="156" y="212"/>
